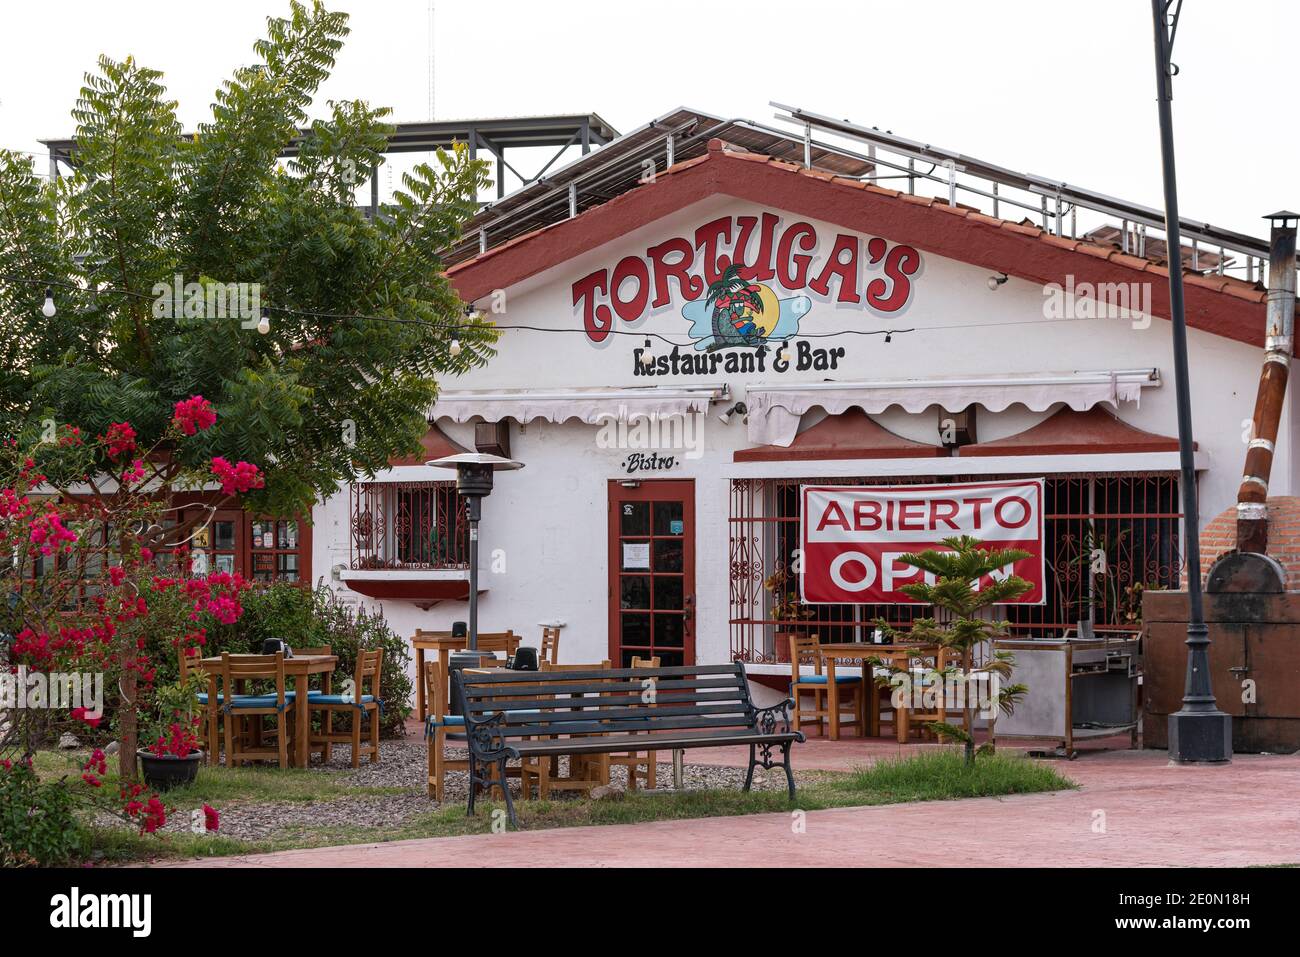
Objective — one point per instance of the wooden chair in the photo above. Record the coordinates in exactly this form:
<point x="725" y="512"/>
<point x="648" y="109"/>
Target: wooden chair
<point x="550" y="650"/>
<point x="632" y="760"/>
<point x="585" y="771"/>
<point x="359" y="704"/>
<point x="238" y="708"/>
<point x="920" y="719"/>
<point x="191" y="667"/>
<point x="803" y="648"/>
<point x="503" y="642"/>
<point x="438" y="727"/>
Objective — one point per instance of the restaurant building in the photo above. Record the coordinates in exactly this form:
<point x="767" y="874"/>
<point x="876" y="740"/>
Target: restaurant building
<point x="705" y="314"/>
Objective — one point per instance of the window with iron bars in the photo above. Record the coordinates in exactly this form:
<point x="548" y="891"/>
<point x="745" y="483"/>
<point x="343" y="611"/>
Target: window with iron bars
<point x="408" y="525"/>
<point x="1107" y="538"/>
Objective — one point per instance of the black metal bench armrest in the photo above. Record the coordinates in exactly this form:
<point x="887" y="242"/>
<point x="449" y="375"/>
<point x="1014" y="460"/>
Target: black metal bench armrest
<point x="765" y="719"/>
<point x="484" y="735"/>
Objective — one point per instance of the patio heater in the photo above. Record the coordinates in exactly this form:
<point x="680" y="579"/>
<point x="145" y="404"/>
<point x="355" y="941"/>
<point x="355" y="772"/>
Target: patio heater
<point x="1199" y="732"/>
<point x="474" y="483"/>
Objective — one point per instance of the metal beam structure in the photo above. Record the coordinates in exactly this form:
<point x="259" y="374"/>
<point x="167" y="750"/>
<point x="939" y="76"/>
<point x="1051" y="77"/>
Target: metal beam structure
<point x="498" y="136"/>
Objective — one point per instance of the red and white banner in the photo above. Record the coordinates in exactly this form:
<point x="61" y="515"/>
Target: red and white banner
<point x="853" y="536"/>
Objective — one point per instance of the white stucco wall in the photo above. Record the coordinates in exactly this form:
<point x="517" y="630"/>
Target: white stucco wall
<point x="550" y="519"/>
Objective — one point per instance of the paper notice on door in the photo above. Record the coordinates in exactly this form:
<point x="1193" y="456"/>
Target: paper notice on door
<point x="636" y="555"/>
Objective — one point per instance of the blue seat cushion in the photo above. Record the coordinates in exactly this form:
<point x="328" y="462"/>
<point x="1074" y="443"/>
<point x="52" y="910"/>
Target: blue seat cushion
<point x="821" y="679"/>
<point x="203" y="697"/>
<point x="446" y="721"/>
<point x="317" y="697"/>
<point x="259" y="700"/>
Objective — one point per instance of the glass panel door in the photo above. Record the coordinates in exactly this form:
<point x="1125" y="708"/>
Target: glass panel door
<point x="652" y="572"/>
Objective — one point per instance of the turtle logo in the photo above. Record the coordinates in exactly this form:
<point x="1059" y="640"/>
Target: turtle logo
<point x="737" y="313"/>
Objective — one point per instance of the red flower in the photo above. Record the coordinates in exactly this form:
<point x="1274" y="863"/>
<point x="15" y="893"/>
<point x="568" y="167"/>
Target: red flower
<point x="193" y="415"/>
<point x="211" y="819"/>
<point x="80" y="714"/>
<point x="240" y="477"/>
<point x="120" y="439"/>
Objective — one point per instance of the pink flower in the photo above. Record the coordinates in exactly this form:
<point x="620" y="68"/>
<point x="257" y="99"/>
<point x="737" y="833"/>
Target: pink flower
<point x="134" y="474"/>
<point x="117" y="575"/>
<point x="49" y="535"/>
<point x="240" y="477"/>
<point x="211" y="819"/>
<point x="193" y="415"/>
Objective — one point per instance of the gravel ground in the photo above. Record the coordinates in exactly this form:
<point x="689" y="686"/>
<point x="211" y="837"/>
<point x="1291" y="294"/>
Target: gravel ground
<point x="403" y="765"/>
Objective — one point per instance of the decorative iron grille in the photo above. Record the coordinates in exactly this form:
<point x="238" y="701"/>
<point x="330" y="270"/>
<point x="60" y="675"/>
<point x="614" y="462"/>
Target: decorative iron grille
<point x="408" y="525"/>
<point x="1107" y="537"/>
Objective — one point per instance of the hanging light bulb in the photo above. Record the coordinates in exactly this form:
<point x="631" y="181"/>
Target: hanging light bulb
<point x="264" y="324"/>
<point x="455" y="347"/>
<point x="471" y="313"/>
<point x="48" y="309"/>
<point x="889" y="336"/>
<point x="647" y="357"/>
<point x="784" y="352"/>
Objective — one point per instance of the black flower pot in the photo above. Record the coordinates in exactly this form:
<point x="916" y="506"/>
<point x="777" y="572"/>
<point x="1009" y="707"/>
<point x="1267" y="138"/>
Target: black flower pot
<point x="166" y="772"/>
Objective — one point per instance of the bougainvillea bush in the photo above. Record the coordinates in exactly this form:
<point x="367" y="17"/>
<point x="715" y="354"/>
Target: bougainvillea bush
<point x="98" y="586"/>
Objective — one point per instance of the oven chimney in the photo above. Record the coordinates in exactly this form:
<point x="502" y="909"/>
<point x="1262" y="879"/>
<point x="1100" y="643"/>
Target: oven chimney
<point x="1252" y="496"/>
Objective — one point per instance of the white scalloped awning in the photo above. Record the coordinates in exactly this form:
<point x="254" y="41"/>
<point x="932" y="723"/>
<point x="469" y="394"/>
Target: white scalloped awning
<point x="775" y="410"/>
<point x="588" y="405"/>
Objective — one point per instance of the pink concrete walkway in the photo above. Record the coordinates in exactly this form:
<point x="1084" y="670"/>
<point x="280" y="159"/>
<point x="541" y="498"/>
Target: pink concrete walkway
<point x="1133" y="809"/>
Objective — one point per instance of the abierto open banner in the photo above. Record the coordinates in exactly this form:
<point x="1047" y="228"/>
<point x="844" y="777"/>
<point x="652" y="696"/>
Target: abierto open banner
<point x="853" y="537"/>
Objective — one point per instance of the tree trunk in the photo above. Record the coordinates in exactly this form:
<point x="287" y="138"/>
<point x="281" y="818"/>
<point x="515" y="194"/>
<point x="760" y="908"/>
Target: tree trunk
<point x="126" y="758"/>
<point x="967" y="711"/>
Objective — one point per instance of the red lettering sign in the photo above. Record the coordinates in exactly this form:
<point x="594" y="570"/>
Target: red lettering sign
<point x="853" y="537"/>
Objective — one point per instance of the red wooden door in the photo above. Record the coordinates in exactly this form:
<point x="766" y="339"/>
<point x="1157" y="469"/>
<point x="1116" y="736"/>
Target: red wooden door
<point x="652" y="572"/>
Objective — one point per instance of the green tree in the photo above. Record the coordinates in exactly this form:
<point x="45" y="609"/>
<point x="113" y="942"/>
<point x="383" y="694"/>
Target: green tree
<point x="323" y="395"/>
<point x="963" y="587"/>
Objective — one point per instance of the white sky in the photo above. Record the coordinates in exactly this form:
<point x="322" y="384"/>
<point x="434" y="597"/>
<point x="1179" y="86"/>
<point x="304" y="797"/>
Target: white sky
<point x="1063" y="90"/>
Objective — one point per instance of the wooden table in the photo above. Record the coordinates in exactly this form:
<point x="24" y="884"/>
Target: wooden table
<point x="444" y="644"/>
<point x="859" y="651"/>
<point x="300" y="668"/>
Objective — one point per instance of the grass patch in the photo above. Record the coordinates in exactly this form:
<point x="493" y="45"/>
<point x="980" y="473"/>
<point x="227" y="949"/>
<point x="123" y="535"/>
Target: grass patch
<point x="928" y="776"/>
<point x="944" y="775"/>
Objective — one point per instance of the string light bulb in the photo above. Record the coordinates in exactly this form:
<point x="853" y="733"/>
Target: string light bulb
<point x="264" y="324"/>
<point x="889" y="336"/>
<point x="455" y="347"/>
<point x="48" y="309"/>
<point x="784" y="352"/>
<point x="647" y="358"/>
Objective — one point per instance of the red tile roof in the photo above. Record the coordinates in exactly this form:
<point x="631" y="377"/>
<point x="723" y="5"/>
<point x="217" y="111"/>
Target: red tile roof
<point x="1220" y="305"/>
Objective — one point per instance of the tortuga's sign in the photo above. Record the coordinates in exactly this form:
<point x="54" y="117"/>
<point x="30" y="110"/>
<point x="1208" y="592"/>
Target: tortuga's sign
<point x="745" y="283"/>
<point x="853" y="537"/>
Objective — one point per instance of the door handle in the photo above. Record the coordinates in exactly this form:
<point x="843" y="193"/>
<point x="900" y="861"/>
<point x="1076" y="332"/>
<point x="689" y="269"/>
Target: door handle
<point x="688" y="604"/>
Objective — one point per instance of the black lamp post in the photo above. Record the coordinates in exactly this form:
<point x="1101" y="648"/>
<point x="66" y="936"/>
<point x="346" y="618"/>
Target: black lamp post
<point x="1198" y="732"/>
<point x="474" y="482"/>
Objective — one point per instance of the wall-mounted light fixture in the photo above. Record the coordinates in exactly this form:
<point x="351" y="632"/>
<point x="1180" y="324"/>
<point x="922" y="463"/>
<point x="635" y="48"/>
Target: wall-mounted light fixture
<point x="997" y="280"/>
<point x="738" y="409"/>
